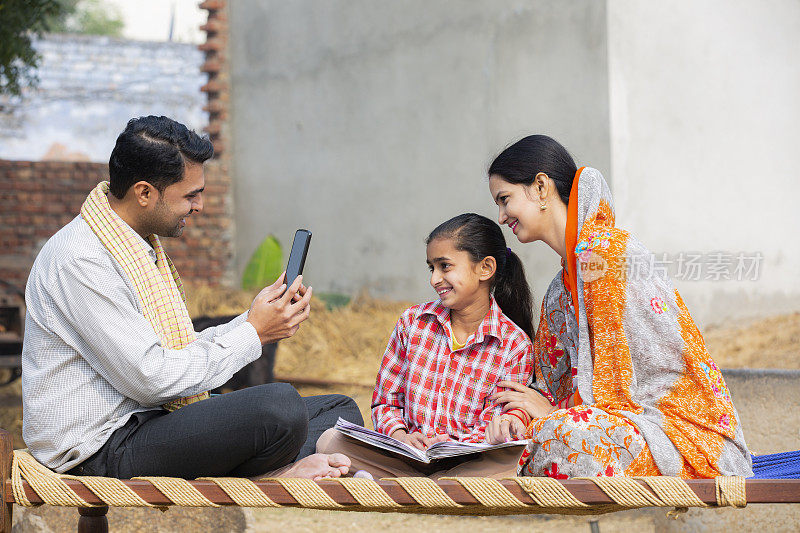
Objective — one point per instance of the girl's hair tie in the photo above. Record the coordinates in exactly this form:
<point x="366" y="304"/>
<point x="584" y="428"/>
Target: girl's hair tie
<point x="508" y="252"/>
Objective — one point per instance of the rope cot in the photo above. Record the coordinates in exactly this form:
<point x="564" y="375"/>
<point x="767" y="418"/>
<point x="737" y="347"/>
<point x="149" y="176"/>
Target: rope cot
<point x="484" y="495"/>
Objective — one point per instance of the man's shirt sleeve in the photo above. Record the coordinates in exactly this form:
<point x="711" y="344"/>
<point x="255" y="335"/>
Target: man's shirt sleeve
<point x="216" y="331"/>
<point x="104" y="325"/>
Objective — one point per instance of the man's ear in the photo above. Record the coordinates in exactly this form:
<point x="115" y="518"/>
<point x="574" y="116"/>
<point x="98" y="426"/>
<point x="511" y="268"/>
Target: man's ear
<point x="144" y="193"/>
<point x="487" y="268"/>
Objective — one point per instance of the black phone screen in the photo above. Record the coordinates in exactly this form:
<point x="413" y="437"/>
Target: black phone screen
<point x="297" y="257"/>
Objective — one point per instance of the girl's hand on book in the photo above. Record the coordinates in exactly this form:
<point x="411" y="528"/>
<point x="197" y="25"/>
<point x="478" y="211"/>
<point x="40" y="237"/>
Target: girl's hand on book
<point x="504" y="428"/>
<point x="417" y="439"/>
<point x="522" y="397"/>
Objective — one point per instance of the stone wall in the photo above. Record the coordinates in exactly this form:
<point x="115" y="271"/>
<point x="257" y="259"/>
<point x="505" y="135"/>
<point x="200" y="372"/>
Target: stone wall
<point x="38" y="198"/>
<point x="90" y="87"/>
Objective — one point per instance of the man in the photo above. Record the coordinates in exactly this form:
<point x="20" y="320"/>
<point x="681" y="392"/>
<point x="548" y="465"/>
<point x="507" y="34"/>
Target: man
<point x="114" y="377"/>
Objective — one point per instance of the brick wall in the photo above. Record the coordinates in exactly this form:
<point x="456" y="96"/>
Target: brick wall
<point x="38" y="198"/>
<point x="216" y="67"/>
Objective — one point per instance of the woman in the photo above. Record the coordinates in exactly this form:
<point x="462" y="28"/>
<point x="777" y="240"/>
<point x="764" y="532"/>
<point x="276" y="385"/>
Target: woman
<point x="623" y="383"/>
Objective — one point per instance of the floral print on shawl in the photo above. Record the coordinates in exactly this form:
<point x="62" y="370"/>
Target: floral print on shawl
<point x="654" y="402"/>
<point x="585" y="441"/>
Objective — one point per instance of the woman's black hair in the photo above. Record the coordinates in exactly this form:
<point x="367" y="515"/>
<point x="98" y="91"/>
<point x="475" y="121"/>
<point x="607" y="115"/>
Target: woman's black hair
<point x="481" y="238"/>
<point x="154" y="149"/>
<point x="523" y="160"/>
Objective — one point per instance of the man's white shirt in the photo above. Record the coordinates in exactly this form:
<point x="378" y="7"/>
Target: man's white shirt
<point x="90" y="358"/>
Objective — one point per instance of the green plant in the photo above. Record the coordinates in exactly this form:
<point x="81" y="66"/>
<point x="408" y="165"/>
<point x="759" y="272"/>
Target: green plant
<point x="265" y="265"/>
<point x="20" y="20"/>
<point x="333" y="299"/>
<point x="88" y="17"/>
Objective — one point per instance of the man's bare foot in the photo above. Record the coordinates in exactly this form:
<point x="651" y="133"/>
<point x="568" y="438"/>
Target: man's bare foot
<point x="318" y="466"/>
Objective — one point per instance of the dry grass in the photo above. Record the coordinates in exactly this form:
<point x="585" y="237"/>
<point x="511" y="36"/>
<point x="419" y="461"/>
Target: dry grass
<point x="207" y="300"/>
<point x="772" y="342"/>
<point x="342" y="344"/>
<point x="346" y="344"/>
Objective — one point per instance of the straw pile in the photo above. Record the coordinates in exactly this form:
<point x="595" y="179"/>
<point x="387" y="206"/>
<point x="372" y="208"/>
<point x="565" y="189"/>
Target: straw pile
<point x="343" y="344"/>
<point x="346" y="344"/>
<point x="772" y="342"/>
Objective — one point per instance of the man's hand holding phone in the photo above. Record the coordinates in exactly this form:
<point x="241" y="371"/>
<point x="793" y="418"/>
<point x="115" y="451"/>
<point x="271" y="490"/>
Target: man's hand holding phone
<point x="277" y="314"/>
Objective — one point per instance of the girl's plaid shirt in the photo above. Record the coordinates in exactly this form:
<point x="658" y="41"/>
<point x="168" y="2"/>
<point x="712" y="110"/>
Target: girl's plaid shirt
<point x="424" y="386"/>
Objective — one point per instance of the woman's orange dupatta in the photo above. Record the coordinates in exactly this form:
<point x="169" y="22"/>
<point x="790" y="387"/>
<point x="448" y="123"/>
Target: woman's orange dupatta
<point x="571" y="239"/>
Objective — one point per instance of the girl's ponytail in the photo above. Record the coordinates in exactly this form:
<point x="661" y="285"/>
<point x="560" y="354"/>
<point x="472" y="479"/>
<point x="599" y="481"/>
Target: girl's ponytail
<point x="513" y="295"/>
<point x="481" y="237"/>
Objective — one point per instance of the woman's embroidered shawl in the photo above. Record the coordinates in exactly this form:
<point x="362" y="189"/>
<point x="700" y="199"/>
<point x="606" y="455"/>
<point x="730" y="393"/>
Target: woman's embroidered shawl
<point x="633" y="350"/>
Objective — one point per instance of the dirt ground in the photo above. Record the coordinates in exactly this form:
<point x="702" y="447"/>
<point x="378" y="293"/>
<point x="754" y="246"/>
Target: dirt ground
<point x="346" y="344"/>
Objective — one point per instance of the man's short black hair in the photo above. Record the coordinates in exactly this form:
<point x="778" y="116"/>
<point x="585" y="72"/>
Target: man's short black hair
<point x="154" y="149"/>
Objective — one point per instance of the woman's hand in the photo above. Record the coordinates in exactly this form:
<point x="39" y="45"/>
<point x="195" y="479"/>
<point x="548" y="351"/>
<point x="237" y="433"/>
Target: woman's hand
<point x="504" y="428"/>
<point x="522" y="397"/>
<point x="417" y="439"/>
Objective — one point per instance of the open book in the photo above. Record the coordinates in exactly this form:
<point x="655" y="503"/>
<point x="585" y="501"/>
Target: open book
<point x="440" y="450"/>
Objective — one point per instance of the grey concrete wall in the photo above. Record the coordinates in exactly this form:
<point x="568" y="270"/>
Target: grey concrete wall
<point x="90" y="87"/>
<point x="370" y="122"/>
<point x="705" y="125"/>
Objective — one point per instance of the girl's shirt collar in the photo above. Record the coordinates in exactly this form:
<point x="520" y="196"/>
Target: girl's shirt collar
<point x="490" y="326"/>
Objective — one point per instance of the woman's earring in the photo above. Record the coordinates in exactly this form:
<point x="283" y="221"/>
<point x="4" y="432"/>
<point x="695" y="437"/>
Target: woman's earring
<point x="543" y="207"/>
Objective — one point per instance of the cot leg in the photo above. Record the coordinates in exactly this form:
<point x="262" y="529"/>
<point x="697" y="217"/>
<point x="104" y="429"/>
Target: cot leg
<point x="6" y="456"/>
<point x="93" y="520"/>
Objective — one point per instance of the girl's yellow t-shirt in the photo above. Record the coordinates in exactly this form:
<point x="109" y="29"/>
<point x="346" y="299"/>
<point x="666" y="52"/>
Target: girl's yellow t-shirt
<point x="454" y="342"/>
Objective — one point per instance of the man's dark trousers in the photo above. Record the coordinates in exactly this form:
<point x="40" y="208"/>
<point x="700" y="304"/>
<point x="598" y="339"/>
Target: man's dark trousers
<point x="242" y="433"/>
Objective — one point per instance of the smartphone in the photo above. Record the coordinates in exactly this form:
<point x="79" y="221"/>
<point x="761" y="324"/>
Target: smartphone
<point x="297" y="257"/>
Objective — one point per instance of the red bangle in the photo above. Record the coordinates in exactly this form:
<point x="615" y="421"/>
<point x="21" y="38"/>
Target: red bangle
<point x="526" y="418"/>
<point x="516" y="413"/>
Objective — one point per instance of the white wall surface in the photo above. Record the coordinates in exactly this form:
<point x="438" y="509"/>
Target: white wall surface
<point x="371" y="122"/>
<point x="705" y="137"/>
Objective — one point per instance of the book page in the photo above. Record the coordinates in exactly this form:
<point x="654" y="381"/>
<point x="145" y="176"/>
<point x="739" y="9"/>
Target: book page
<point x="380" y="440"/>
<point x="452" y="448"/>
<point x="440" y="450"/>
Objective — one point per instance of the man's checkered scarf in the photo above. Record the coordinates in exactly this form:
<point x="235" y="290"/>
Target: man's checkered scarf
<point x="158" y="285"/>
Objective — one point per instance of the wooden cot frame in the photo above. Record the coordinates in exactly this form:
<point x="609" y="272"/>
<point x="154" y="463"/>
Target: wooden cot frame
<point x="462" y="498"/>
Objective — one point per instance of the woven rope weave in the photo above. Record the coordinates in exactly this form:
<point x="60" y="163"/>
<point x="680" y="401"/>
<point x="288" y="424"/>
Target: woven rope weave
<point x="488" y="491"/>
<point x="627" y="492"/>
<point x="109" y="489"/>
<point x="368" y="493"/>
<point x="425" y="492"/>
<point x="673" y="491"/>
<point x="731" y="491"/>
<point x="547" y="492"/>
<point x="242" y="491"/>
<point x="307" y="493"/>
<point x="179" y="491"/>
<point x="43" y="483"/>
<point x="549" y="495"/>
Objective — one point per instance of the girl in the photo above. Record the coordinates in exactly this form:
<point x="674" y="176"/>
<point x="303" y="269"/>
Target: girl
<point x="446" y="357"/>
<point x="624" y="384"/>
